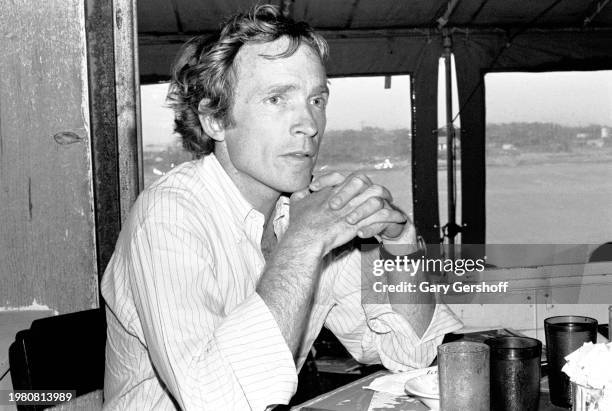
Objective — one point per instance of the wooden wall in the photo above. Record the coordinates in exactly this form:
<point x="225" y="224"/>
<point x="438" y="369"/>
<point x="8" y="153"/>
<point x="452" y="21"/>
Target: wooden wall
<point x="47" y="232"/>
<point x="536" y="293"/>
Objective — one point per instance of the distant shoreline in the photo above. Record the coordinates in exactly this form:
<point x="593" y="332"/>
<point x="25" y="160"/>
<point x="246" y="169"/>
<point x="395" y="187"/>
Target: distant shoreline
<point x="512" y="160"/>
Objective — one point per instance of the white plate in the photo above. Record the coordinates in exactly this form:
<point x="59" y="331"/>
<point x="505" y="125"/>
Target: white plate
<point x="434" y="405"/>
<point x="425" y="386"/>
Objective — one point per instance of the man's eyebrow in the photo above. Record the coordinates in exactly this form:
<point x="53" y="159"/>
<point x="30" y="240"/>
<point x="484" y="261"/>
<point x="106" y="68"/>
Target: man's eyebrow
<point x="323" y="89"/>
<point x="280" y="88"/>
<point x="285" y="88"/>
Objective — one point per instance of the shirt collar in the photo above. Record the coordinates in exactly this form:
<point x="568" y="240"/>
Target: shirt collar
<point x="281" y="216"/>
<point x="239" y="206"/>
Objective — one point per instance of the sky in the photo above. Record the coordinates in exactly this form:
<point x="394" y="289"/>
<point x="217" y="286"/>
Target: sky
<point x="570" y="98"/>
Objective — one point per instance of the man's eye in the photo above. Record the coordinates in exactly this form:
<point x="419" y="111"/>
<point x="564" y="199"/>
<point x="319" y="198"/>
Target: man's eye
<point x="274" y="99"/>
<point x="319" y="101"/>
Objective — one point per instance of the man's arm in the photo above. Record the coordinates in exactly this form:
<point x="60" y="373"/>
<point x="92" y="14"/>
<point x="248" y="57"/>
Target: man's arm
<point x="399" y="238"/>
<point x="372" y="329"/>
<point x="287" y="287"/>
<point x="202" y="347"/>
<point x="290" y="278"/>
<point x="400" y="329"/>
<point x="417" y="307"/>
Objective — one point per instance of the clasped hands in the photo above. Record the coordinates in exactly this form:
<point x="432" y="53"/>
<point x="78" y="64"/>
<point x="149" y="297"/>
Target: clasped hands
<point x="334" y="209"/>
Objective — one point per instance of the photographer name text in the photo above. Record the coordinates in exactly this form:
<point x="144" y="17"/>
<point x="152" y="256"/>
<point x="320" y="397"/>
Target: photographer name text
<point x="439" y="288"/>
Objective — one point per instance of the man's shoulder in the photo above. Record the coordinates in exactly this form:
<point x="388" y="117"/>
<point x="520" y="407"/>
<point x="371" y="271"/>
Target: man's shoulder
<point x="179" y="194"/>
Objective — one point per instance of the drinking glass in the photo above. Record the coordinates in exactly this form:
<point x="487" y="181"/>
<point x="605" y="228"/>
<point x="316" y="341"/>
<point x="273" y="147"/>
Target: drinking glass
<point x="564" y="335"/>
<point x="515" y="373"/>
<point x="463" y="372"/>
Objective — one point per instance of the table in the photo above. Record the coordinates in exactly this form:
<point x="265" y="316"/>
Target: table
<point x="352" y="397"/>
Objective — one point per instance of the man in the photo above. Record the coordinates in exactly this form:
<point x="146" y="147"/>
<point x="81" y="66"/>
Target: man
<point x="219" y="283"/>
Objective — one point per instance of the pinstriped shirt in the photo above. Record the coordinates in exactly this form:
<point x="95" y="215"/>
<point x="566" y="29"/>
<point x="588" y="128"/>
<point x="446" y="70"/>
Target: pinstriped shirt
<point x="186" y="328"/>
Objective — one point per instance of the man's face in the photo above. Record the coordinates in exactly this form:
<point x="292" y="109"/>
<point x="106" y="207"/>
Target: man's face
<point x="278" y="117"/>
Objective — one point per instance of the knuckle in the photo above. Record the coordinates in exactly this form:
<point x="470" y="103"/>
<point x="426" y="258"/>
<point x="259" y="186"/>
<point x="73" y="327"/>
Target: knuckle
<point x="371" y="230"/>
<point x="356" y="215"/>
<point x="362" y="177"/>
<point x="337" y="198"/>
<point x="376" y="202"/>
<point x="356" y="181"/>
<point x="364" y="232"/>
<point x="365" y="179"/>
<point x="399" y="217"/>
<point x="377" y="190"/>
<point x="385" y="213"/>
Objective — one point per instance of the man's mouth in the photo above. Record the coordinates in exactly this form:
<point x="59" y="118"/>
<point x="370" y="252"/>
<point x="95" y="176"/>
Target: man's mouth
<point x="300" y="154"/>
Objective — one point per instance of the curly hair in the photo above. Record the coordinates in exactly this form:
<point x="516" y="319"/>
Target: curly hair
<point x="204" y="69"/>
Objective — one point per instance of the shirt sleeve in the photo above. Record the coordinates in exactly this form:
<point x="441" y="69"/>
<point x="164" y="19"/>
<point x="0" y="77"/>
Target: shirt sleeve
<point x="209" y="356"/>
<point x="375" y="333"/>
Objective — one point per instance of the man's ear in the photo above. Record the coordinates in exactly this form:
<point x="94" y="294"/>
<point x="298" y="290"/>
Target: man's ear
<point x="211" y="125"/>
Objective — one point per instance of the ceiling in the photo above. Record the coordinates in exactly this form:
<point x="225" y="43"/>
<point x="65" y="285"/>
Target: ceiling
<point x="190" y="17"/>
<point x="385" y="36"/>
<point x="359" y="29"/>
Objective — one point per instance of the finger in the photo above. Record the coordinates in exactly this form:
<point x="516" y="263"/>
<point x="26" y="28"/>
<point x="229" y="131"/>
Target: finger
<point x="406" y="230"/>
<point x="392" y="231"/>
<point x="371" y="230"/>
<point x="326" y="180"/>
<point x="385" y="215"/>
<point x="371" y="200"/>
<point x="298" y="195"/>
<point x="353" y="185"/>
<point x="381" y="221"/>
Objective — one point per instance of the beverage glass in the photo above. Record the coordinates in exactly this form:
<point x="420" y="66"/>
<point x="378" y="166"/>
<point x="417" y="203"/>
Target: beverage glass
<point x="463" y="372"/>
<point x="565" y="334"/>
<point x="515" y="373"/>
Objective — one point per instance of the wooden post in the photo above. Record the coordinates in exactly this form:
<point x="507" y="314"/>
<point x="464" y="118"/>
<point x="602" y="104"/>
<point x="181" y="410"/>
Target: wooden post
<point x="105" y="150"/>
<point x="47" y="242"/>
<point x="128" y="103"/>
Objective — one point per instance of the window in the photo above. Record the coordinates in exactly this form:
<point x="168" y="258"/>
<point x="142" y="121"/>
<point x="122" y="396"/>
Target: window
<point x="161" y="147"/>
<point x="549" y="159"/>
<point x="369" y="130"/>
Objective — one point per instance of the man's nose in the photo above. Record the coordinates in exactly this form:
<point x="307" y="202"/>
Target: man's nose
<point x="304" y="123"/>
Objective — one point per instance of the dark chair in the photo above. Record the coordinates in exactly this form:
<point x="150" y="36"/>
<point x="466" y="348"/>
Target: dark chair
<point x="65" y="352"/>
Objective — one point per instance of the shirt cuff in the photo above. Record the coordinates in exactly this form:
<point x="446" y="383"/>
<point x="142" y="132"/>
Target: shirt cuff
<point x="250" y="340"/>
